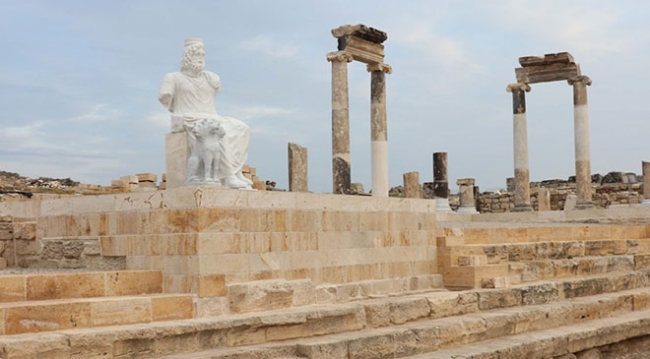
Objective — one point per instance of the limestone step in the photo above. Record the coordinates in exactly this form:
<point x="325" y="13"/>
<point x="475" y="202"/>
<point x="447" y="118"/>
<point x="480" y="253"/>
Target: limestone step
<point x="434" y="336"/>
<point x="442" y="316"/>
<point x="552" y="343"/>
<point x="515" y="252"/>
<point x="464" y="277"/>
<point x="60" y="314"/>
<point x="46" y="286"/>
<point x="530" y="233"/>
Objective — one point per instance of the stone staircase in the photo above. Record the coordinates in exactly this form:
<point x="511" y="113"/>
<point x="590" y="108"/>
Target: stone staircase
<point x="498" y="257"/>
<point x="554" y="294"/>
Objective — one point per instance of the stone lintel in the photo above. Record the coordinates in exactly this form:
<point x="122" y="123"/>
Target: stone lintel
<point x="361" y="31"/>
<point x="547" y="73"/>
<point x="548" y="59"/>
<point x="362" y="50"/>
<point x="465" y="181"/>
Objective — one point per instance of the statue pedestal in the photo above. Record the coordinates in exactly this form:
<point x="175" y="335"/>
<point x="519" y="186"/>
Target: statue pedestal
<point x="177" y="151"/>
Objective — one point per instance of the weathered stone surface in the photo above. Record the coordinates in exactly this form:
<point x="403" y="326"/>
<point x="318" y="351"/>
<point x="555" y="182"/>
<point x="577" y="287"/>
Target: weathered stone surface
<point x="405" y="310"/>
<point x="412" y="188"/>
<point x="259" y="296"/>
<point x="298" y="173"/>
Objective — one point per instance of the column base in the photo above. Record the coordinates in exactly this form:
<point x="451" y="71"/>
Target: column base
<point x="467" y="210"/>
<point x="442" y="205"/>
<point x="645" y="203"/>
<point x="584" y="205"/>
<point x="522" y="208"/>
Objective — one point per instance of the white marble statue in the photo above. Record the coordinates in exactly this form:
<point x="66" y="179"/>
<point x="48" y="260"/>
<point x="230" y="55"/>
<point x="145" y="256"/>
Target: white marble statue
<point x="206" y="153"/>
<point x="189" y="96"/>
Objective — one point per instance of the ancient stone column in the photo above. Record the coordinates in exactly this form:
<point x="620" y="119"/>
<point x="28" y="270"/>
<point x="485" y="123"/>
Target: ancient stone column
<point x="412" y="188"/>
<point x="379" y="129"/>
<point x="581" y="135"/>
<point x="466" y="194"/>
<point x="543" y="199"/>
<point x="646" y="183"/>
<point x="441" y="182"/>
<point x="298" y="179"/>
<point x="340" y="122"/>
<point x="520" y="141"/>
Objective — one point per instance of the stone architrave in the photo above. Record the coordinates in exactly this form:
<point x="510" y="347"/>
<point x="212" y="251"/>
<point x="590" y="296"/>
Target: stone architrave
<point x="466" y="194"/>
<point x="581" y="136"/>
<point x="341" y="171"/>
<point x="298" y="174"/>
<point x="412" y="187"/>
<point x="520" y="141"/>
<point x="441" y="182"/>
<point x="543" y="199"/>
<point x="646" y="183"/>
<point x="379" y="129"/>
<point x="189" y="96"/>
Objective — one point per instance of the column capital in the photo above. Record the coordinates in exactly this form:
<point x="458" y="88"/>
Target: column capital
<point x="385" y="68"/>
<point x="465" y="182"/>
<point x="584" y="79"/>
<point x="520" y="86"/>
<point x="339" y="56"/>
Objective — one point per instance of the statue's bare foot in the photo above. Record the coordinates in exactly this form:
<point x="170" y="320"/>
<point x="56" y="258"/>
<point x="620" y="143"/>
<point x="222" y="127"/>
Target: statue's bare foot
<point x="233" y="182"/>
<point x="242" y="178"/>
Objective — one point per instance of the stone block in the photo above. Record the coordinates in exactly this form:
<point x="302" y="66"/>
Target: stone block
<point x="133" y="283"/>
<point x="172" y="308"/>
<point x="324" y="349"/>
<point x="177" y="152"/>
<point x="13" y="288"/>
<point x="452" y="303"/>
<point x="212" y="286"/>
<point x="147" y="177"/>
<point x="42" y="317"/>
<point x="298" y="174"/>
<point x="642" y="262"/>
<point x="497" y="282"/>
<point x="408" y="309"/>
<point x="499" y="298"/>
<point x="538" y="294"/>
<point x="260" y="296"/>
<point x="472" y="261"/>
<point x="304" y="292"/>
<point x="120" y="311"/>
<point x="24" y="230"/>
<point x="65" y="285"/>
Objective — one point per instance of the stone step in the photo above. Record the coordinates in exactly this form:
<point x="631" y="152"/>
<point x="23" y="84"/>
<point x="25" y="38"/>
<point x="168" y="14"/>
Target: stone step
<point x="436" y="335"/>
<point x="552" y="343"/>
<point x="46" y="286"/>
<point x="521" y="308"/>
<point x="464" y="277"/>
<point x="516" y="252"/>
<point x="61" y="314"/>
<point x="526" y="233"/>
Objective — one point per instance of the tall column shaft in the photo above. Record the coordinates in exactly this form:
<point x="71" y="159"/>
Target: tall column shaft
<point x="379" y="129"/>
<point x="298" y="168"/>
<point x="581" y="136"/>
<point x="441" y="181"/>
<point x="520" y="147"/>
<point x="340" y="123"/>
<point x="646" y="183"/>
<point x="412" y="187"/>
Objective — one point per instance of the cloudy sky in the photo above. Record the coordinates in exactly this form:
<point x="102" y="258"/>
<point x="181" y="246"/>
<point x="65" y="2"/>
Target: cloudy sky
<point x="79" y="83"/>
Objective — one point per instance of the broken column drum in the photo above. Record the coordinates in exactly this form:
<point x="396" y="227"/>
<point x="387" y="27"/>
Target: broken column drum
<point x="363" y="44"/>
<point x="466" y="194"/>
<point x="441" y="182"/>
<point x="551" y="67"/>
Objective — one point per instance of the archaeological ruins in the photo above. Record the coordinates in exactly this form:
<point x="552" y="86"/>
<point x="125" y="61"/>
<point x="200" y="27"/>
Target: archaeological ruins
<point x="214" y="269"/>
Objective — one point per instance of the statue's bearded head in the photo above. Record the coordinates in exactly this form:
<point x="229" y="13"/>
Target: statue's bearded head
<point x="193" y="57"/>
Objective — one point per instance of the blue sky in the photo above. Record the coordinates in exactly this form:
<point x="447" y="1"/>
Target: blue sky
<point x="79" y="81"/>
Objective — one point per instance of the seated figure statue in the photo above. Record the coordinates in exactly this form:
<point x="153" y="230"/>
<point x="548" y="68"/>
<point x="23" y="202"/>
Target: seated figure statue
<point x="189" y="96"/>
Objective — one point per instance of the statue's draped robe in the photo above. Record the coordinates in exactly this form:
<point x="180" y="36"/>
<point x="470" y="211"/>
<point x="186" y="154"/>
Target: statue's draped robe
<point x="192" y="99"/>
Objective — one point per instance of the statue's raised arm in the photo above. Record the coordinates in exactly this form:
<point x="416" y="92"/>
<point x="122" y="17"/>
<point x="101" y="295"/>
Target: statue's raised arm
<point x="217" y="156"/>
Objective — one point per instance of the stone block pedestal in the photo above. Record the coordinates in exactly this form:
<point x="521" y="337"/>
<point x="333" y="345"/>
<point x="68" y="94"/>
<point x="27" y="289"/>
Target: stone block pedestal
<point x="177" y="151"/>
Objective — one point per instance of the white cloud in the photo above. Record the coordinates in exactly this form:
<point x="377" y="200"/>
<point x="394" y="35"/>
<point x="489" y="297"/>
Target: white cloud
<point x="99" y="112"/>
<point x="268" y="46"/>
